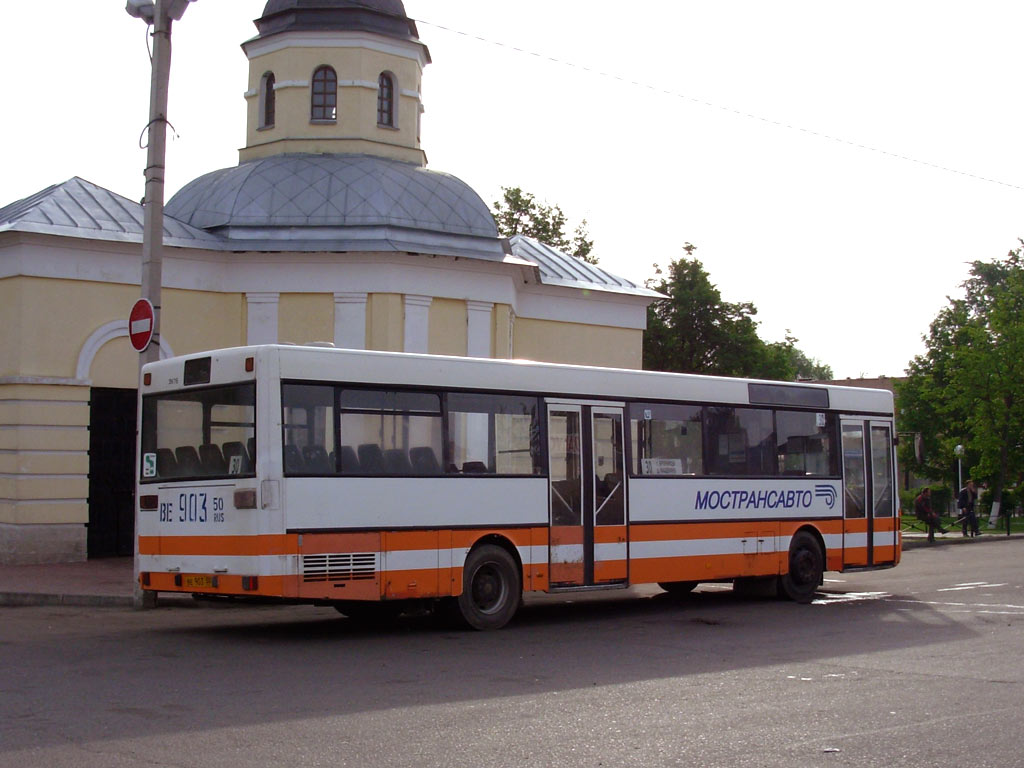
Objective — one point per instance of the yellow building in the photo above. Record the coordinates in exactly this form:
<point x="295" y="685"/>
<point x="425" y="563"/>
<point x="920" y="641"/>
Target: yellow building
<point x="331" y="228"/>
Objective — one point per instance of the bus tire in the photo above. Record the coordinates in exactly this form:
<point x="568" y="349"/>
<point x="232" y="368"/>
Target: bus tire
<point x="678" y="588"/>
<point x="491" y="588"/>
<point x="806" y="566"/>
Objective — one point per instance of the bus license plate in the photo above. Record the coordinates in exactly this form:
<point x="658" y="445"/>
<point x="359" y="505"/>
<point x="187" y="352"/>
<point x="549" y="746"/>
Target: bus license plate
<point x="195" y="582"/>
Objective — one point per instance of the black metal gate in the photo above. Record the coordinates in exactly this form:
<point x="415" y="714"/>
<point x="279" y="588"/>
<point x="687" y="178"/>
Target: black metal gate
<point x="111" y="472"/>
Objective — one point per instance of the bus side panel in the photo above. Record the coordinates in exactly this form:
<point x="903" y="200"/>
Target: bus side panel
<point x="339" y="566"/>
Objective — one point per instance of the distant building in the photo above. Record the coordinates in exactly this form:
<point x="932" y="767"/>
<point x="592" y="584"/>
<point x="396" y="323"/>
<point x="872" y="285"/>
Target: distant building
<point x="331" y="228"/>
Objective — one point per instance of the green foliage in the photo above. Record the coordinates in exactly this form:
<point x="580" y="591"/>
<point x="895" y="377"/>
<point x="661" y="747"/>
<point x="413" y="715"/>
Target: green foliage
<point x="695" y="331"/>
<point x="968" y="387"/>
<point x="520" y="213"/>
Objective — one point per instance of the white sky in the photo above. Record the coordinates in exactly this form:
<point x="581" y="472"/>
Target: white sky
<point x="852" y="250"/>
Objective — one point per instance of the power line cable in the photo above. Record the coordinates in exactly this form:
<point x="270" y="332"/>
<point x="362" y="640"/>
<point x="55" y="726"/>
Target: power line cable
<point x="702" y="102"/>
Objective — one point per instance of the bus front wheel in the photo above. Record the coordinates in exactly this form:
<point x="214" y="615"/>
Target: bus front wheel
<point x="491" y="588"/>
<point x="806" y="566"/>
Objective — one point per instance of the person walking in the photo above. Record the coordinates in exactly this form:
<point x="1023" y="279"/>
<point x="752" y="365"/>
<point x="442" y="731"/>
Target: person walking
<point x="924" y="512"/>
<point x="965" y="504"/>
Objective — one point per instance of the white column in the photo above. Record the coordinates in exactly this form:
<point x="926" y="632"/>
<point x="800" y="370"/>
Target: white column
<point x="478" y="332"/>
<point x="262" y="317"/>
<point x="350" y="320"/>
<point x="417" y="323"/>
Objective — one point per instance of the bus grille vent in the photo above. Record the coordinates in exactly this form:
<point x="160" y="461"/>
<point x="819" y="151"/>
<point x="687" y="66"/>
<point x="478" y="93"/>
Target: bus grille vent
<point x="346" y="566"/>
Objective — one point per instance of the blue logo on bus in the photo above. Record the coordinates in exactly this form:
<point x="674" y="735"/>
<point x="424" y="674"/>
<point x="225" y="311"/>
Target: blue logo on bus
<point x="826" y="492"/>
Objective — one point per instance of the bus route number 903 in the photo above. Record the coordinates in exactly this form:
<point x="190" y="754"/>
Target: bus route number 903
<point x="193" y="508"/>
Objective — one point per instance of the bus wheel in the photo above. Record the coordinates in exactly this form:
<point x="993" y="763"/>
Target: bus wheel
<point x="491" y="589"/>
<point x="806" y="565"/>
<point x="678" y="588"/>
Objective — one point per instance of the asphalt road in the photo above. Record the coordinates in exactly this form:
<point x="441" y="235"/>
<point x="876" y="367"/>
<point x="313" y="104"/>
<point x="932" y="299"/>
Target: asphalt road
<point x="917" y="666"/>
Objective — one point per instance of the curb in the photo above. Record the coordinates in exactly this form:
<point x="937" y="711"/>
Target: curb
<point x="26" y="599"/>
<point x="917" y="543"/>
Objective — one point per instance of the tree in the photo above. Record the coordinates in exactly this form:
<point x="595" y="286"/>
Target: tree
<point x="520" y="213"/>
<point x="695" y="331"/>
<point x="968" y="387"/>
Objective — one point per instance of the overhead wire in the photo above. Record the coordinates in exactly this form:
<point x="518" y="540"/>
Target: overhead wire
<point x="732" y="110"/>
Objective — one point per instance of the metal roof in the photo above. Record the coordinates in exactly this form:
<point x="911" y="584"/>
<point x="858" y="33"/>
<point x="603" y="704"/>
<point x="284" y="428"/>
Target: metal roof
<point x="304" y="202"/>
<point x="558" y="268"/>
<point x="79" y="208"/>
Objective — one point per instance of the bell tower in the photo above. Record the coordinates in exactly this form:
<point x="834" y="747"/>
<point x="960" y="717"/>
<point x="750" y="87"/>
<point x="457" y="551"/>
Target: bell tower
<point x="333" y="77"/>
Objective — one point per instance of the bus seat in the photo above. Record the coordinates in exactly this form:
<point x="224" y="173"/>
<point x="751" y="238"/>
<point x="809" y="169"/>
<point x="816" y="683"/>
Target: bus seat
<point x="349" y="462"/>
<point x="188" y="460"/>
<point x="166" y="465"/>
<point x="234" y="448"/>
<point x="474" y="468"/>
<point x="316" y="460"/>
<point x="212" y="460"/>
<point x="293" y="459"/>
<point x="396" y="462"/>
<point x="424" y="461"/>
<point x="371" y="459"/>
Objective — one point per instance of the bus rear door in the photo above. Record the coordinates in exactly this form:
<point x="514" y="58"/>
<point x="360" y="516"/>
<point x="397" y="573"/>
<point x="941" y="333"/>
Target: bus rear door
<point x="588" y="538"/>
<point x="869" y="515"/>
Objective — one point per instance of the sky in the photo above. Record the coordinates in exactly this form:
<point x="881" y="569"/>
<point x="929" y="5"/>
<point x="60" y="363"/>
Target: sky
<point x="837" y="164"/>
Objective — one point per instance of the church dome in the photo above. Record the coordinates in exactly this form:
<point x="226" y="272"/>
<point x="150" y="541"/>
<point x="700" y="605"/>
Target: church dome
<point x="302" y="196"/>
<point x="384" y="17"/>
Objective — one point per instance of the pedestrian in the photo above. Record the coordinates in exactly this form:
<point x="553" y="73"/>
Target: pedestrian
<point x="924" y="512"/>
<point x="965" y="504"/>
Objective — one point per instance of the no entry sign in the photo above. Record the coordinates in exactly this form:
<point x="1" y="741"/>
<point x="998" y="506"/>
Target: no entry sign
<point x="140" y="325"/>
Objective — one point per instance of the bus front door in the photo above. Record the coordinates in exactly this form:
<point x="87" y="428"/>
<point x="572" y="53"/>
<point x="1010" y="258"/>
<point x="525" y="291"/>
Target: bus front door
<point x="869" y="516"/>
<point x="588" y="514"/>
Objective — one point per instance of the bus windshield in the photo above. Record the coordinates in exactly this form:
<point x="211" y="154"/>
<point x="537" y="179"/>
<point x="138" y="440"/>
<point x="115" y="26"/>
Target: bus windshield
<point x="199" y="433"/>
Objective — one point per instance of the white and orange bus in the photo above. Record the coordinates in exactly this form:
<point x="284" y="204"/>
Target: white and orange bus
<point x="376" y="481"/>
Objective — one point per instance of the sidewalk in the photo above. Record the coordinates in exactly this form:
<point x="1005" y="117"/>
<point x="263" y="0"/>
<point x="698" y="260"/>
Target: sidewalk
<point x="103" y="582"/>
<point x="107" y="582"/>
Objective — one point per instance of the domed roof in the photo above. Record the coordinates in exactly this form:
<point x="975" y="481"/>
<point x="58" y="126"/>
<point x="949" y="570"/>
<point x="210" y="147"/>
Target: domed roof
<point x="321" y="197"/>
<point x="385" y="17"/>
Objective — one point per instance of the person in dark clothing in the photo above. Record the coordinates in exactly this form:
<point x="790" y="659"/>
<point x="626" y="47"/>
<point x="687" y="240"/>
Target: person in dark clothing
<point x="924" y="512"/>
<point x="965" y="504"/>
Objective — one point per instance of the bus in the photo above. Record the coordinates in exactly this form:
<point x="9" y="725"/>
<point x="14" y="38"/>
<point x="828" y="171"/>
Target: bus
<point x="378" y="482"/>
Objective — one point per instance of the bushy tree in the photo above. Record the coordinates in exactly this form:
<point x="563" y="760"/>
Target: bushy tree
<point x="695" y="331"/>
<point x="968" y="387"/>
<point x="520" y="213"/>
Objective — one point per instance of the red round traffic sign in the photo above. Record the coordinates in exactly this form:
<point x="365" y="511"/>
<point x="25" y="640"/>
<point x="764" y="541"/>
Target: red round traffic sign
<point x="140" y="325"/>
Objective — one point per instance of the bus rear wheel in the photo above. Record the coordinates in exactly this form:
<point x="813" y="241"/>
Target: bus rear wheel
<point x="491" y="588"/>
<point x="806" y="566"/>
<point x="678" y="588"/>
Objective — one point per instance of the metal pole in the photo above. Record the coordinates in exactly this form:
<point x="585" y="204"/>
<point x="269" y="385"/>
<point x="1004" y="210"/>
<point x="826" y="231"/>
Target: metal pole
<point x="153" y="221"/>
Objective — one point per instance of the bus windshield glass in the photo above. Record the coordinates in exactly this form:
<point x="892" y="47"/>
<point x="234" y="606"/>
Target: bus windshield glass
<point x="199" y="433"/>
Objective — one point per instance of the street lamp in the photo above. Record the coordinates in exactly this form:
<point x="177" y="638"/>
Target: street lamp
<point x="158" y="14"/>
<point x="959" y="452"/>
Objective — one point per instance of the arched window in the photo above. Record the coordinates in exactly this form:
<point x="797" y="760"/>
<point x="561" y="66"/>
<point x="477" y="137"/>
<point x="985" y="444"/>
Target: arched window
<point x="324" y="99"/>
<point x="268" y="101"/>
<point x="386" y="100"/>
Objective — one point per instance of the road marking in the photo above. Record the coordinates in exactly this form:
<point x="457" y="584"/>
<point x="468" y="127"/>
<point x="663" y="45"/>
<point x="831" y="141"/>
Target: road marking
<point x="972" y="585"/>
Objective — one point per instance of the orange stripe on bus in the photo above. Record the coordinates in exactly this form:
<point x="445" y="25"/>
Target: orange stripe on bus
<point x="265" y="544"/>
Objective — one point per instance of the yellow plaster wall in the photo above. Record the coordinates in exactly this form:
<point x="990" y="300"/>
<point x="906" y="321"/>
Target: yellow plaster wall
<point x="575" y="343"/>
<point x="385" y="322"/>
<point x="194" y="321"/>
<point x="44" y="444"/>
<point x="448" y="329"/>
<point x="305" y="317"/>
<point x="10" y="322"/>
<point x="293" y="130"/>
<point x="58" y="316"/>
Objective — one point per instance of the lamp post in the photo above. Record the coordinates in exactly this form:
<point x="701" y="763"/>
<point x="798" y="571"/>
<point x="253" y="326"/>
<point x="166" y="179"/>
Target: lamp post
<point x="959" y="452"/>
<point x="158" y="14"/>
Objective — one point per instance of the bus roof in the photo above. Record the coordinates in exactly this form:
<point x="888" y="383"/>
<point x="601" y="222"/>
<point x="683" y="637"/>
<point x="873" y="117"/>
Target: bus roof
<point x="321" y="363"/>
